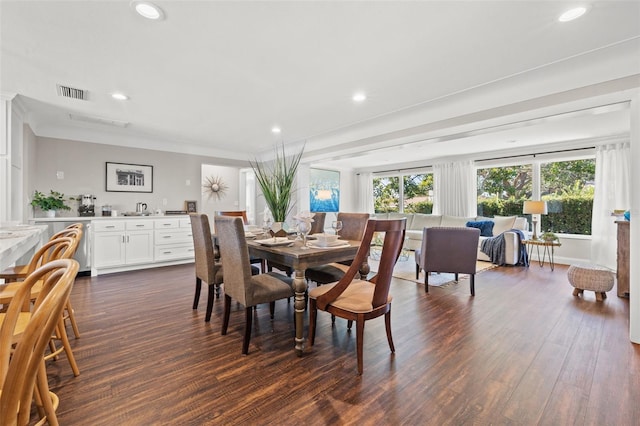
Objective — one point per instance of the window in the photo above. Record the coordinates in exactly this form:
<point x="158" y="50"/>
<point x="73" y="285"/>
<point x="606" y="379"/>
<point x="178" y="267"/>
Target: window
<point x="386" y="194"/>
<point x="502" y="190"/>
<point x="415" y="195"/>
<point x="568" y="187"/>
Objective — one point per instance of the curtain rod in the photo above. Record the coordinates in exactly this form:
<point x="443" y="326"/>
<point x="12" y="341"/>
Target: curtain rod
<point x="491" y="159"/>
<point x="537" y="153"/>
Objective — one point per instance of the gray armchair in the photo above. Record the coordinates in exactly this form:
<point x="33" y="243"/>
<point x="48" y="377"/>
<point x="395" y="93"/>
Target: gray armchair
<point x="452" y="250"/>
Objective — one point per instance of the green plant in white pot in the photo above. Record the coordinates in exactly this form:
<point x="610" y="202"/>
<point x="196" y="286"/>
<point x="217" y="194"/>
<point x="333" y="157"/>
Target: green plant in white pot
<point x="276" y="178"/>
<point x="49" y="203"/>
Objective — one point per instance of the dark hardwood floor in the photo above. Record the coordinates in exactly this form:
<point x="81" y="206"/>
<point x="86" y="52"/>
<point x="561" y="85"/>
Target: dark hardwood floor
<point x="524" y="351"/>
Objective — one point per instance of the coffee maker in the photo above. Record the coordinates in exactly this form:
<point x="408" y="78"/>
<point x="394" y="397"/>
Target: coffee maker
<point x="87" y="205"/>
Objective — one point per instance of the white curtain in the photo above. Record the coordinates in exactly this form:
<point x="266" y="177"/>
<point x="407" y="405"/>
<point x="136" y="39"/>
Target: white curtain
<point x="612" y="191"/>
<point x="454" y="188"/>
<point x="364" y="193"/>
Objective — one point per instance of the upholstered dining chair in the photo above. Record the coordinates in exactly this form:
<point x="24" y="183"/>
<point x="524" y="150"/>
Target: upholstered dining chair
<point x="448" y="249"/>
<point x="22" y="369"/>
<point x="353" y="226"/>
<point x="239" y="284"/>
<point x="361" y="300"/>
<point x="245" y="221"/>
<point x="208" y="266"/>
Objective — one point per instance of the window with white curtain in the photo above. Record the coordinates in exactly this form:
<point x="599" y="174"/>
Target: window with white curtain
<point x="415" y="195"/>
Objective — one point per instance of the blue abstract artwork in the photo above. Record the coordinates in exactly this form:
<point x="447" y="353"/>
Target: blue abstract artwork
<point x="324" y="190"/>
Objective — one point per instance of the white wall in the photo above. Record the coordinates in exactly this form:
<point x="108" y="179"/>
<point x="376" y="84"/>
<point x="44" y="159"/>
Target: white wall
<point x="176" y="177"/>
<point x="228" y="201"/>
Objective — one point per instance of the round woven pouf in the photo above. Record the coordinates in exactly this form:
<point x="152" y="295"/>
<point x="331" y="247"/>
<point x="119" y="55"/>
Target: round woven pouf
<point x="590" y="277"/>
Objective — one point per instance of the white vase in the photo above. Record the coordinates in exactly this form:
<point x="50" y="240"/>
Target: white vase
<point x="279" y="229"/>
<point x="51" y="213"/>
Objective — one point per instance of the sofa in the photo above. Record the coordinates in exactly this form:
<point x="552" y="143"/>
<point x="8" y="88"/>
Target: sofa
<point x="501" y="224"/>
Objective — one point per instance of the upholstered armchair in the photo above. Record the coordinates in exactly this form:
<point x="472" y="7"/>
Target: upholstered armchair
<point x="452" y="250"/>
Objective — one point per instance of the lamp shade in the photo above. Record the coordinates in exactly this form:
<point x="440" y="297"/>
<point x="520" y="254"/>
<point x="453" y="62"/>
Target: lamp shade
<point x="534" y="207"/>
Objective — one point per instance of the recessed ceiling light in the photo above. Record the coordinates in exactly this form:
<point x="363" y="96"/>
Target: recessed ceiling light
<point x="572" y="14"/>
<point x="275" y="129"/>
<point x="119" y="96"/>
<point x="359" y="97"/>
<point x="148" y="10"/>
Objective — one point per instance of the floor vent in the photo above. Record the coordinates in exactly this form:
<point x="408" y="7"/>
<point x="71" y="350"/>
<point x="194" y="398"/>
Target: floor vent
<point x="72" y="92"/>
<point x="98" y="120"/>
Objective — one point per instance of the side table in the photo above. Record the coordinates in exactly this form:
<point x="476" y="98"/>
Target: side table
<point x="548" y="250"/>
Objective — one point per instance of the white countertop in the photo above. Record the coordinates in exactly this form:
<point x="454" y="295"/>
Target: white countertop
<point x="90" y="218"/>
<point x="17" y="240"/>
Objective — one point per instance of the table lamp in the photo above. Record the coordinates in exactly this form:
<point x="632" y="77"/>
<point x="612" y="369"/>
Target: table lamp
<point x="534" y="208"/>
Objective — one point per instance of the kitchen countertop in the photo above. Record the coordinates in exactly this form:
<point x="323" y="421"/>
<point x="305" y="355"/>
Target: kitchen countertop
<point x="15" y="241"/>
<point x="90" y="218"/>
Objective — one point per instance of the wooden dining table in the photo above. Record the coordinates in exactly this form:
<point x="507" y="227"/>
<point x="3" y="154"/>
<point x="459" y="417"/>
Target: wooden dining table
<point x="299" y="259"/>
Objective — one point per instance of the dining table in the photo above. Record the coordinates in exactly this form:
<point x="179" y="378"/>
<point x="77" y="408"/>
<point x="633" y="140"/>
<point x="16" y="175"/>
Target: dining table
<point x="18" y="240"/>
<point x="294" y="255"/>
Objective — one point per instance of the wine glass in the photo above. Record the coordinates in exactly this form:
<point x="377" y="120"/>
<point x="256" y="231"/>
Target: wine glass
<point x="336" y="225"/>
<point x="304" y="227"/>
<point x="266" y="226"/>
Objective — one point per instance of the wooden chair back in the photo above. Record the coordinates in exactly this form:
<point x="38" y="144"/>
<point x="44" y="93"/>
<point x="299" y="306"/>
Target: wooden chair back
<point x="18" y="368"/>
<point x="235" y="213"/>
<point x="393" y="240"/>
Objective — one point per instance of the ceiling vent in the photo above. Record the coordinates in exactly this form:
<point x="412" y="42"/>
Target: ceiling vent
<point x="98" y="120"/>
<point x="72" y="92"/>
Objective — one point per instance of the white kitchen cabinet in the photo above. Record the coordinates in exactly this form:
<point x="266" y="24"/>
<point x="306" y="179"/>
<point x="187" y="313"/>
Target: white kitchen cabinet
<point x="118" y="243"/>
<point x="173" y="240"/>
<point x="125" y="244"/>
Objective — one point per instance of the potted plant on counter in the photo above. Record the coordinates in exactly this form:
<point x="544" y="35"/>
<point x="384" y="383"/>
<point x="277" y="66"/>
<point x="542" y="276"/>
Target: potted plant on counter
<point x="277" y="181"/>
<point x="49" y="203"/>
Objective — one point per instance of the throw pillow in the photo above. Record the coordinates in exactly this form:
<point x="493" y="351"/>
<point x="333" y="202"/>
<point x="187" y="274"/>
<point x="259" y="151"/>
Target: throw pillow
<point x="502" y="224"/>
<point x="485" y="227"/>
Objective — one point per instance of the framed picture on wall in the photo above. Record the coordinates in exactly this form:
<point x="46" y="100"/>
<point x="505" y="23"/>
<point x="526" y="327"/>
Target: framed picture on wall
<point x="324" y="190"/>
<point x="123" y="177"/>
<point x="191" y="206"/>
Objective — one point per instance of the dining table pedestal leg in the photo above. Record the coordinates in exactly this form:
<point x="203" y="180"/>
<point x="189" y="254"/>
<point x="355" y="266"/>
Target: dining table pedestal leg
<point x="300" y="289"/>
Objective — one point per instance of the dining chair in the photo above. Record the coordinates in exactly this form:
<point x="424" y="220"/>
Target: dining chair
<point x="60" y="248"/>
<point x="22" y="371"/>
<point x="243" y="215"/>
<point x="19" y="272"/>
<point x="353" y="226"/>
<point x="238" y="213"/>
<point x="360" y="300"/>
<point x="239" y="284"/>
<point x="448" y="249"/>
<point x="207" y="264"/>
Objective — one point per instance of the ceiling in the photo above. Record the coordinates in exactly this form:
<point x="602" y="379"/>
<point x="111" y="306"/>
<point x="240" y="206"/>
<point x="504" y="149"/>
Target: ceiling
<point x="442" y="78"/>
